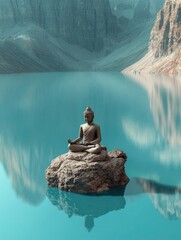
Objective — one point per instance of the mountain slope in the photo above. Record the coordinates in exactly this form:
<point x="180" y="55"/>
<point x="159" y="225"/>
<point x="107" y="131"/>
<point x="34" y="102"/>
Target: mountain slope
<point x="81" y="22"/>
<point x="24" y="49"/>
<point x="66" y="35"/>
<point x="164" y="55"/>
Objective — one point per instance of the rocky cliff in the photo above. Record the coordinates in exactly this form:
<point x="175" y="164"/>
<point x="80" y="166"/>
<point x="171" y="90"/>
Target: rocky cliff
<point x="82" y="22"/>
<point x="166" y="34"/>
<point x="65" y="35"/>
<point x="58" y="35"/>
<point x="164" y="55"/>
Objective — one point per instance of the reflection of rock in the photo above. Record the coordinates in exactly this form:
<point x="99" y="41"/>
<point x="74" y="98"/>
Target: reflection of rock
<point x="85" y="172"/>
<point x="166" y="199"/>
<point x="165" y="43"/>
<point x="88" y="206"/>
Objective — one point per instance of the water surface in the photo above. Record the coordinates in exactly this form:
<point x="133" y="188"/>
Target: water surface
<point x="39" y="112"/>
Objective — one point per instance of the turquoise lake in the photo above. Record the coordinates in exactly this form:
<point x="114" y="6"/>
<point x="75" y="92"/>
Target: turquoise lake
<point x="142" y="116"/>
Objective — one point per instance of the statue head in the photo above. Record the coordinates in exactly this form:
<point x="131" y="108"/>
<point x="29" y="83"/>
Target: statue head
<point x="88" y="115"/>
<point x="89" y="222"/>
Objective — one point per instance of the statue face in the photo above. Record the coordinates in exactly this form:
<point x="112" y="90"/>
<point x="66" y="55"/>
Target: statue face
<point x="88" y="117"/>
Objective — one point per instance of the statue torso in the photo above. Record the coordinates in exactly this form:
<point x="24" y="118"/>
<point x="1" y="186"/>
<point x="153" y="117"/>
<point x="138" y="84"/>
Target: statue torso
<point x="89" y="132"/>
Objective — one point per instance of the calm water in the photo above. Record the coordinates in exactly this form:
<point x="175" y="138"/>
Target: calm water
<point x="39" y="112"/>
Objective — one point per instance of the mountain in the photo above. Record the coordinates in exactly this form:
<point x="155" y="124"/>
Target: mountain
<point x="165" y="43"/>
<point x="80" y="22"/>
<point x="59" y="35"/>
<point x="136" y="9"/>
<point x="135" y="19"/>
<point x="73" y="35"/>
<point x="29" y="48"/>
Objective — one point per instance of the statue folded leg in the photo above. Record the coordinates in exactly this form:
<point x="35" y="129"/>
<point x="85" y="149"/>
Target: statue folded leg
<point x="96" y="149"/>
<point x="77" y="147"/>
<point x="82" y="148"/>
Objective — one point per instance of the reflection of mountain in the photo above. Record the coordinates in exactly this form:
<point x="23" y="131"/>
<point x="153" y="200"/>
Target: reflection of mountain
<point x="94" y="206"/>
<point x="23" y="166"/>
<point x="23" y="153"/>
<point x="168" y="206"/>
<point x="150" y="186"/>
<point x="165" y="103"/>
<point x="134" y="131"/>
<point x="165" y="43"/>
<point x="88" y="206"/>
<point x="166" y="199"/>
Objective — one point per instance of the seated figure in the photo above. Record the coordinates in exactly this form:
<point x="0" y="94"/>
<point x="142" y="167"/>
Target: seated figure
<point x="89" y="135"/>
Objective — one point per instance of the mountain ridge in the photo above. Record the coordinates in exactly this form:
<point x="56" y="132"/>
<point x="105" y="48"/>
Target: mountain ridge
<point x="164" y="54"/>
<point x="79" y="35"/>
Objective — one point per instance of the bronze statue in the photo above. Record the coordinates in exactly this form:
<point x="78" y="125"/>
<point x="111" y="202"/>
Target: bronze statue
<point x="89" y="135"/>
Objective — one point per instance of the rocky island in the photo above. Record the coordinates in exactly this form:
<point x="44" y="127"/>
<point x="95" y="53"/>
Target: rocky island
<point x="84" y="172"/>
<point x="87" y="167"/>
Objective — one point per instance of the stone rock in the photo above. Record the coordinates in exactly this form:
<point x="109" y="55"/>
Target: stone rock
<point x="87" y="173"/>
<point x="117" y="154"/>
<point x="164" y="55"/>
<point x="165" y="36"/>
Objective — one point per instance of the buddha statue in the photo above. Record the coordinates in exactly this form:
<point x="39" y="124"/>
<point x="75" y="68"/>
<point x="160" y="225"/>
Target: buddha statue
<point x="89" y="135"/>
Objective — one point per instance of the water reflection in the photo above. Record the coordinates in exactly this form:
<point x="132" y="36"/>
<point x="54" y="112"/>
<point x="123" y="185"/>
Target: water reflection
<point x="142" y="135"/>
<point x="166" y="199"/>
<point x="87" y="206"/>
<point x="36" y="121"/>
<point x="164" y="95"/>
<point x="25" y="168"/>
<point x="35" y="124"/>
<point x="151" y="186"/>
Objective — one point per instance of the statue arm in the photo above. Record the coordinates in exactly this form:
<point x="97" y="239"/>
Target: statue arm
<point x="79" y="137"/>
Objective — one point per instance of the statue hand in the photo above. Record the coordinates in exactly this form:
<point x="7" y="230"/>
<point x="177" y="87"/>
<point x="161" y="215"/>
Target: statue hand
<point x="70" y="141"/>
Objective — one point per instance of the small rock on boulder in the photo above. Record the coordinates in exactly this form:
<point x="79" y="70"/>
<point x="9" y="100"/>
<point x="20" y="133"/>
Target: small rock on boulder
<point x="84" y="172"/>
